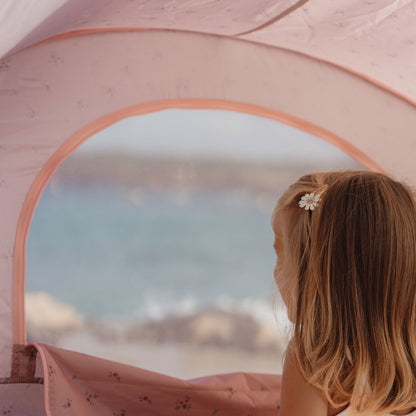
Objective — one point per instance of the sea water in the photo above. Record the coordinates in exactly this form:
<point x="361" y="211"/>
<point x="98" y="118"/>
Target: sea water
<point x="112" y="252"/>
<point x="121" y="255"/>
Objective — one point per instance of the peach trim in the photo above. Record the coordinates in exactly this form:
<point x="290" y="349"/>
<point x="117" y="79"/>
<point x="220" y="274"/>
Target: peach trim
<point x="41" y="180"/>
<point x="79" y="32"/>
<point x="46" y="387"/>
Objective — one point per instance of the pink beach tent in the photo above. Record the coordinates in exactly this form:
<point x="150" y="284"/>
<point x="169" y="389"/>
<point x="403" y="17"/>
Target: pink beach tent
<point x="342" y="70"/>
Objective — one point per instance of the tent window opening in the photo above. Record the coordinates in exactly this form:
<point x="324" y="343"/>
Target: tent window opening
<point x="152" y="243"/>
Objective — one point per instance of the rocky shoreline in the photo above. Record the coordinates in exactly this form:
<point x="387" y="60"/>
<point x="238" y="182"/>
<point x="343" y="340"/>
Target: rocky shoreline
<point x="213" y="340"/>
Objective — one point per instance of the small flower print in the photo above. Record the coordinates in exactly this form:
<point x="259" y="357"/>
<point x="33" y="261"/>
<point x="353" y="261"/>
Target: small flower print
<point x="309" y="201"/>
<point x="183" y="85"/>
<point x="67" y="404"/>
<point x="51" y="370"/>
<point x="81" y="103"/>
<point x="157" y="55"/>
<point x="90" y="398"/>
<point x="6" y="410"/>
<point x="184" y="404"/>
<point x="8" y="257"/>
<point x="5" y="64"/>
<point x="145" y="399"/>
<point x="110" y="91"/>
<point x="122" y="412"/>
<point x="231" y="391"/>
<point x="115" y="375"/>
<point x="55" y="59"/>
<point x="46" y="87"/>
<point x="31" y="113"/>
<point x="11" y="92"/>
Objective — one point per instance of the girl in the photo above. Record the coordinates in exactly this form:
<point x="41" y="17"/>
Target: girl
<point x="346" y="270"/>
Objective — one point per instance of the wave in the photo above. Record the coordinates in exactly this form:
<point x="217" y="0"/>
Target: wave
<point x="248" y="324"/>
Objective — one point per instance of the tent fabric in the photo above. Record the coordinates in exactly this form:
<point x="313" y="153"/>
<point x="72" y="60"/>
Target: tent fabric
<point x="343" y="71"/>
<point x="22" y="399"/>
<point x="78" y="384"/>
<point x="346" y="33"/>
<point x="206" y="16"/>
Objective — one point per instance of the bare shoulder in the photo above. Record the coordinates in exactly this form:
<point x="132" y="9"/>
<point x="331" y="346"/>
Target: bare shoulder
<point x="298" y="397"/>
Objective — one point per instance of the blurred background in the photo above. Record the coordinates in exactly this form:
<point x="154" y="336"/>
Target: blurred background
<point x="152" y="245"/>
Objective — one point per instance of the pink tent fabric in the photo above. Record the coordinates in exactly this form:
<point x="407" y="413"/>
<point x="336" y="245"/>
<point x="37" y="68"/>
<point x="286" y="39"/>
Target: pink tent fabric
<point x="343" y="71"/>
<point x="78" y="384"/>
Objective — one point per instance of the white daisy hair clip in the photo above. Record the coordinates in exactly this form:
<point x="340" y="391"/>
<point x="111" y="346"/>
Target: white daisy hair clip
<point x="309" y="201"/>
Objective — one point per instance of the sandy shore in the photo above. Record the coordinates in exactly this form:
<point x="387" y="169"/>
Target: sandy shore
<point x="176" y="360"/>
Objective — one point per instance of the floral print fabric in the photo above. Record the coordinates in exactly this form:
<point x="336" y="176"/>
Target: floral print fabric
<point x="78" y="384"/>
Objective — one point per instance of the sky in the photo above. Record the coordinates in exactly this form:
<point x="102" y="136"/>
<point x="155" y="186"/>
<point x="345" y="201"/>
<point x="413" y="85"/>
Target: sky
<point x="212" y="134"/>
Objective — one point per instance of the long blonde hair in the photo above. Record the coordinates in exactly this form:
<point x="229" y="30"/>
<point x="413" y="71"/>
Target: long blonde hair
<point x="354" y="258"/>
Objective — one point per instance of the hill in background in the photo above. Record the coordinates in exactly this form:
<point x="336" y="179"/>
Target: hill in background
<point x="190" y="174"/>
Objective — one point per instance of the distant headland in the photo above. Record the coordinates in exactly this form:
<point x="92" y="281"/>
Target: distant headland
<point x="190" y="174"/>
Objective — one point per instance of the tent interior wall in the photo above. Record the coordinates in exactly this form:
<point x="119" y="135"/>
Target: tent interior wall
<point x="75" y="67"/>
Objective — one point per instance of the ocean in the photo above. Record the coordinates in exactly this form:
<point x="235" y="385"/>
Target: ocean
<point x="113" y="253"/>
<point x="140" y="259"/>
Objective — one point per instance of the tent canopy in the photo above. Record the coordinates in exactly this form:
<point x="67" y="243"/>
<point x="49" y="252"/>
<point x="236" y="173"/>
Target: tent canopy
<point x="342" y="70"/>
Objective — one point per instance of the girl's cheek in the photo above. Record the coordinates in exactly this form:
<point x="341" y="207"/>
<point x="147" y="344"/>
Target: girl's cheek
<point x="276" y="275"/>
<point x="287" y="288"/>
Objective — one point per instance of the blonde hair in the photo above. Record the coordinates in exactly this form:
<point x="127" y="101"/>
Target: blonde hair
<point x="354" y="258"/>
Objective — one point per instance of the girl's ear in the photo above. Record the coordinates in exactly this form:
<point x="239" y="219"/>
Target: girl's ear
<point x="298" y="397"/>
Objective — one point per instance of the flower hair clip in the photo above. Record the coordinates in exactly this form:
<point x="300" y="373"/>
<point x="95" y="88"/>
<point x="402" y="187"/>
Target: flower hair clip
<point x="309" y="201"/>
